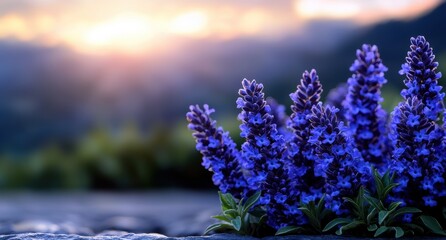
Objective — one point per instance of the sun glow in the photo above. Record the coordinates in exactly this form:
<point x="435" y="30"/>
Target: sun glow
<point x="139" y="27"/>
<point x="364" y="12"/>
<point x="127" y="33"/>
<point x="190" y="23"/>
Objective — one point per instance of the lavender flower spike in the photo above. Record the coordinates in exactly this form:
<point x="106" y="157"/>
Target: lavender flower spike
<point x="417" y="156"/>
<point x="363" y="112"/>
<point x="263" y="154"/>
<point x="307" y="95"/>
<point x="336" y="160"/>
<point x="422" y="78"/>
<point x="300" y="153"/>
<point x="219" y="152"/>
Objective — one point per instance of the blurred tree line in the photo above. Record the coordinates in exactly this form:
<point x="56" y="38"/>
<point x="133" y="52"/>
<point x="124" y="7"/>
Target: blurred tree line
<point x="104" y="160"/>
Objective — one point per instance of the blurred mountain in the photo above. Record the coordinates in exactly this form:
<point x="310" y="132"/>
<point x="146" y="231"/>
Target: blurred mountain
<point x="52" y="94"/>
<point x="392" y="39"/>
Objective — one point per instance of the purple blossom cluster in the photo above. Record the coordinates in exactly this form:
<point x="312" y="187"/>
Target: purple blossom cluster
<point x="417" y="157"/>
<point x="363" y="112"/>
<point x="320" y="155"/>
<point x="419" y="150"/>
<point x="300" y="152"/>
<point x="264" y="155"/>
<point x="335" y="158"/>
<point x="422" y="78"/>
<point x="219" y="151"/>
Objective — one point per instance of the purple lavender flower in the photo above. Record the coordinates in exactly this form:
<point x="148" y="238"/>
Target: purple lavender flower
<point x="363" y="112"/>
<point x="219" y="151"/>
<point x="421" y="77"/>
<point x="336" y="160"/>
<point x="282" y="195"/>
<point x="308" y="93"/>
<point x="300" y="152"/>
<point x="263" y="155"/>
<point x="418" y="156"/>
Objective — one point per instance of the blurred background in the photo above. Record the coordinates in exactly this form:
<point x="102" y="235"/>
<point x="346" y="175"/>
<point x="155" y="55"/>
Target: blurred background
<point x="94" y="93"/>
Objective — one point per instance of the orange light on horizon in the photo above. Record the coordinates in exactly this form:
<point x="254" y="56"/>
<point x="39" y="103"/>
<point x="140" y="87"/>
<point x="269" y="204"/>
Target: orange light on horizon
<point x="363" y="12"/>
<point x="145" y="26"/>
<point x="126" y="33"/>
<point x="189" y="23"/>
<point x="327" y="9"/>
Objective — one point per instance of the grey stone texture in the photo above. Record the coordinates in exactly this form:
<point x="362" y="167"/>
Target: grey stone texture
<point x="173" y="213"/>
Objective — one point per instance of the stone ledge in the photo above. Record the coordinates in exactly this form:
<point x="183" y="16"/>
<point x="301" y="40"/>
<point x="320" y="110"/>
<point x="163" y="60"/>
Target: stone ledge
<point x="155" y="236"/>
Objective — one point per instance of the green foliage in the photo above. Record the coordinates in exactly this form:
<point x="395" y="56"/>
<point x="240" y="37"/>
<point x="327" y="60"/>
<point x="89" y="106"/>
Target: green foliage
<point x="289" y="230"/>
<point x="371" y="213"/>
<point x="316" y="214"/>
<point x="127" y="158"/>
<point x="239" y="216"/>
<point x="433" y="225"/>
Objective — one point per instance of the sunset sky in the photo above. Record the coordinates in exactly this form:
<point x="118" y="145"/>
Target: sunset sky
<point x="138" y="26"/>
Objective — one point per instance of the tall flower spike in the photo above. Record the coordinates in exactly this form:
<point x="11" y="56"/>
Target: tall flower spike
<point x="263" y="154"/>
<point x="363" y="112"/>
<point x="307" y="95"/>
<point x="421" y="77"/>
<point x="219" y="152"/>
<point x="300" y="153"/>
<point x="417" y="156"/>
<point x="341" y="165"/>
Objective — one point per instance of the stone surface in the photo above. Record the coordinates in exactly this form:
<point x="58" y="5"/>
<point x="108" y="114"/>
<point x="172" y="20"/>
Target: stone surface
<point x="174" y="213"/>
<point x="154" y="236"/>
<point x="107" y="216"/>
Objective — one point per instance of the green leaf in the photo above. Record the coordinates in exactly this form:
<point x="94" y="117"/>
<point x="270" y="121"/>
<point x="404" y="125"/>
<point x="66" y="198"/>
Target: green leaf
<point x="405" y="210"/>
<point x="232" y="213"/>
<point x="374" y="202"/>
<point x="399" y="232"/>
<point x="352" y="202"/>
<point x="324" y="214"/>
<point x="381" y="230"/>
<point x="309" y="214"/>
<point x="378" y="183"/>
<point x="352" y="225"/>
<point x="348" y="226"/>
<point x="216" y="226"/>
<point x="263" y="219"/>
<point x="433" y="225"/>
<point x="320" y="205"/>
<point x="222" y="218"/>
<point x="251" y="202"/>
<point x="227" y="201"/>
<point x="415" y="227"/>
<point x="394" y="205"/>
<point x="335" y="222"/>
<point x="372" y="228"/>
<point x="257" y="212"/>
<point x="288" y="230"/>
<point x="371" y="215"/>
<point x="388" y="188"/>
<point x="386" y="179"/>
<point x="237" y="223"/>
<point x="382" y="215"/>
